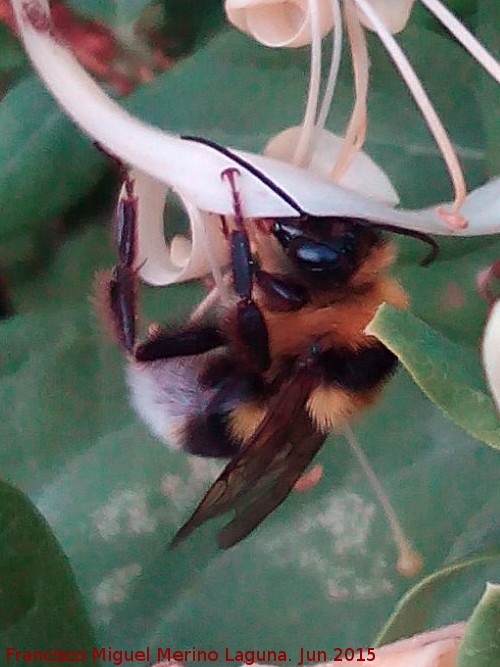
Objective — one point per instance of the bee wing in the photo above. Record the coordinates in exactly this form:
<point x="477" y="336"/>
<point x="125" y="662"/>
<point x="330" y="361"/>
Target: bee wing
<point x="300" y="449"/>
<point x="260" y="477"/>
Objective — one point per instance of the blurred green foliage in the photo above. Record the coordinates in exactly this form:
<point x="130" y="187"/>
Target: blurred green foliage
<point x="481" y="643"/>
<point x="40" y="604"/>
<point x="320" y="571"/>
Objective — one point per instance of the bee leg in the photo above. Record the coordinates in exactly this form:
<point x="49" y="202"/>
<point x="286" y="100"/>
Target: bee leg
<point x="195" y="339"/>
<point x="122" y="285"/>
<point x="251" y="328"/>
<point x="250" y="324"/>
<point x="224" y="226"/>
<point x="117" y="293"/>
<point x="281" y="294"/>
<point x="120" y="290"/>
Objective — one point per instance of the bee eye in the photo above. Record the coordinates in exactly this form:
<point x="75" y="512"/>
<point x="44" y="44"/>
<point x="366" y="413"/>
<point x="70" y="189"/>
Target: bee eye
<point x="330" y="256"/>
<point x="285" y="232"/>
<point x="331" y="260"/>
<point x="313" y="256"/>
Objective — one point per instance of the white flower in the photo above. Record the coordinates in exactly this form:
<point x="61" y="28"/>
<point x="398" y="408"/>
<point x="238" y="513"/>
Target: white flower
<point x="298" y="22"/>
<point x="491" y="353"/>
<point x="490" y="349"/>
<point x="193" y="170"/>
<point x="436" y="648"/>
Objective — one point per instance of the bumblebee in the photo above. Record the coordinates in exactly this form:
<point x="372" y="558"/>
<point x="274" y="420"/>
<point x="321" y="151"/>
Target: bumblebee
<point x="273" y="359"/>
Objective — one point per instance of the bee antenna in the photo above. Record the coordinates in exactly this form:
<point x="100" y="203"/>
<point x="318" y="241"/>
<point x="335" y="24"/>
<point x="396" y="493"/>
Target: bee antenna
<point x="413" y="233"/>
<point x="249" y="167"/>
<point x="291" y="202"/>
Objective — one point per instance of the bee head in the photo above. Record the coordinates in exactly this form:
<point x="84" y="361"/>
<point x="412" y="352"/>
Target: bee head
<point x="325" y="250"/>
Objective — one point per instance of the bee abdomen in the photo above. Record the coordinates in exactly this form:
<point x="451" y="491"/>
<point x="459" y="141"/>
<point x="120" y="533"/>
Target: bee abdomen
<point x="208" y="435"/>
<point x="351" y="381"/>
<point x="357" y="370"/>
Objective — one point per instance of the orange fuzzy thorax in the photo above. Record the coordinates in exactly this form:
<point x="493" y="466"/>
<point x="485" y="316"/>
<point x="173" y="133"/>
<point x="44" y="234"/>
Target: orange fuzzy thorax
<point x="335" y="318"/>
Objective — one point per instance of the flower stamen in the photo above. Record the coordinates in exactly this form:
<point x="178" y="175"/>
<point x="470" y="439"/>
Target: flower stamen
<point x="451" y="217"/>
<point x="356" y="128"/>
<point x="334" y="65"/>
<point x="409" y="561"/>
<point x="302" y="152"/>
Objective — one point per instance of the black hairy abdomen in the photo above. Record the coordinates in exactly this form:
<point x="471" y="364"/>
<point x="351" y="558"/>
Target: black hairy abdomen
<point x="208" y="435"/>
<point x="357" y="370"/>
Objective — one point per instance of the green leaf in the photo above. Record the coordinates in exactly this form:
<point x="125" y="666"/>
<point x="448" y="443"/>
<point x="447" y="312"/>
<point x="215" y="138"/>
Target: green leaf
<point x="183" y="23"/>
<point x="445" y="294"/>
<point x="448" y="373"/>
<point x="464" y="10"/>
<point x="45" y="163"/>
<point x="11" y="52"/>
<point x="112" y="12"/>
<point x="40" y="604"/>
<point x="114" y="496"/>
<point x="416" y="608"/>
<point x="480" y="645"/>
<point x="488" y="90"/>
<point x="190" y="22"/>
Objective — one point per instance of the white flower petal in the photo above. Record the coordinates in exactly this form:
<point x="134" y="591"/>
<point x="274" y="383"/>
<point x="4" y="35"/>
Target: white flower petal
<point x="436" y="648"/>
<point x="393" y="13"/>
<point x="363" y="175"/>
<point x="162" y="263"/>
<point x="194" y="170"/>
<point x="279" y="22"/>
<point x="491" y="353"/>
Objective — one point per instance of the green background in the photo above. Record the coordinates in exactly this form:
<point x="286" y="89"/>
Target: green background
<point x="320" y="572"/>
